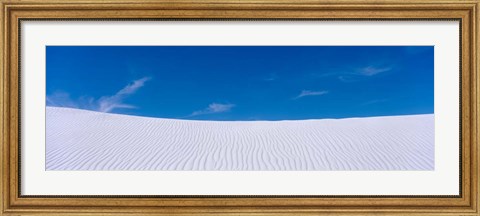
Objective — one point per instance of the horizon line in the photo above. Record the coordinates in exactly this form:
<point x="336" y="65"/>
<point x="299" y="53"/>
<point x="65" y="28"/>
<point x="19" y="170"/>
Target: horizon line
<point x="203" y="120"/>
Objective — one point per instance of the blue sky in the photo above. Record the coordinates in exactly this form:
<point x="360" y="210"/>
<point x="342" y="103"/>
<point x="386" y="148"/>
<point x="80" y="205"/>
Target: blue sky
<point x="243" y="82"/>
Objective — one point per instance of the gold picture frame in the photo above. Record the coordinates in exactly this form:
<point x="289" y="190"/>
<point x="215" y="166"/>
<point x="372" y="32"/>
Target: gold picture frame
<point x="14" y="11"/>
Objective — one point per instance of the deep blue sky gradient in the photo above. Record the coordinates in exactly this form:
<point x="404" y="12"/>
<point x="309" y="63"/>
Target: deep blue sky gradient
<point x="250" y="82"/>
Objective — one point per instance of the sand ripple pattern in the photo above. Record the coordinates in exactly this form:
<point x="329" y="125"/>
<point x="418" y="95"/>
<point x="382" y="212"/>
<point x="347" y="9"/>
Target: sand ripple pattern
<point x="87" y="140"/>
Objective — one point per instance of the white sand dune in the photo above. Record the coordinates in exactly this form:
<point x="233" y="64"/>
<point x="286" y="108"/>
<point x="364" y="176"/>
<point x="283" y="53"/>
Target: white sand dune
<point x="87" y="140"/>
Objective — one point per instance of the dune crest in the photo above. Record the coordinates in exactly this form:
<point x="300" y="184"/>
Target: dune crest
<point x="86" y="140"/>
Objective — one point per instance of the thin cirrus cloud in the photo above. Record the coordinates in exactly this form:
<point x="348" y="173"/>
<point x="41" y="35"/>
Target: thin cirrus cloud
<point x="362" y="73"/>
<point x="306" y="93"/>
<point x="103" y="104"/>
<point x="371" y="71"/>
<point x="214" y="108"/>
<point x="271" y="77"/>
<point x="61" y="99"/>
<point x="108" y="103"/>
<point x="356" y="74"/>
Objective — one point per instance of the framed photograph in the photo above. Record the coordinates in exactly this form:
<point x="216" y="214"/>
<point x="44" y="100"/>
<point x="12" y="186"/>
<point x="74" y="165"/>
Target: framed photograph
<point x="239" y="108"/>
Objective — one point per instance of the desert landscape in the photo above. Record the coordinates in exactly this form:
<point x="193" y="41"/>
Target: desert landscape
<point x="88" y="140"/>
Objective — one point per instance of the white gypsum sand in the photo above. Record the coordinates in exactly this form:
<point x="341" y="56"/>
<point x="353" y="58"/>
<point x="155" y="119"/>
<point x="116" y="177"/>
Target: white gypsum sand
<point x="87" y="140"/>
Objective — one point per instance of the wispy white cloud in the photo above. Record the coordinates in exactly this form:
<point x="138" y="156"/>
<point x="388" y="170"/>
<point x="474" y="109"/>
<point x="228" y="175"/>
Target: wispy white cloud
<point x="362" y="73"/>
<point x="61" y="99"/>
<point x="371" y="70"/>
<point x="108" y="103"/>
<point x="356" y="74"/>
<point x="214" y="108"/>
<point x="103" y="104"/>
<point x="271" y="77"/>
<point x="306" y="93"/>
